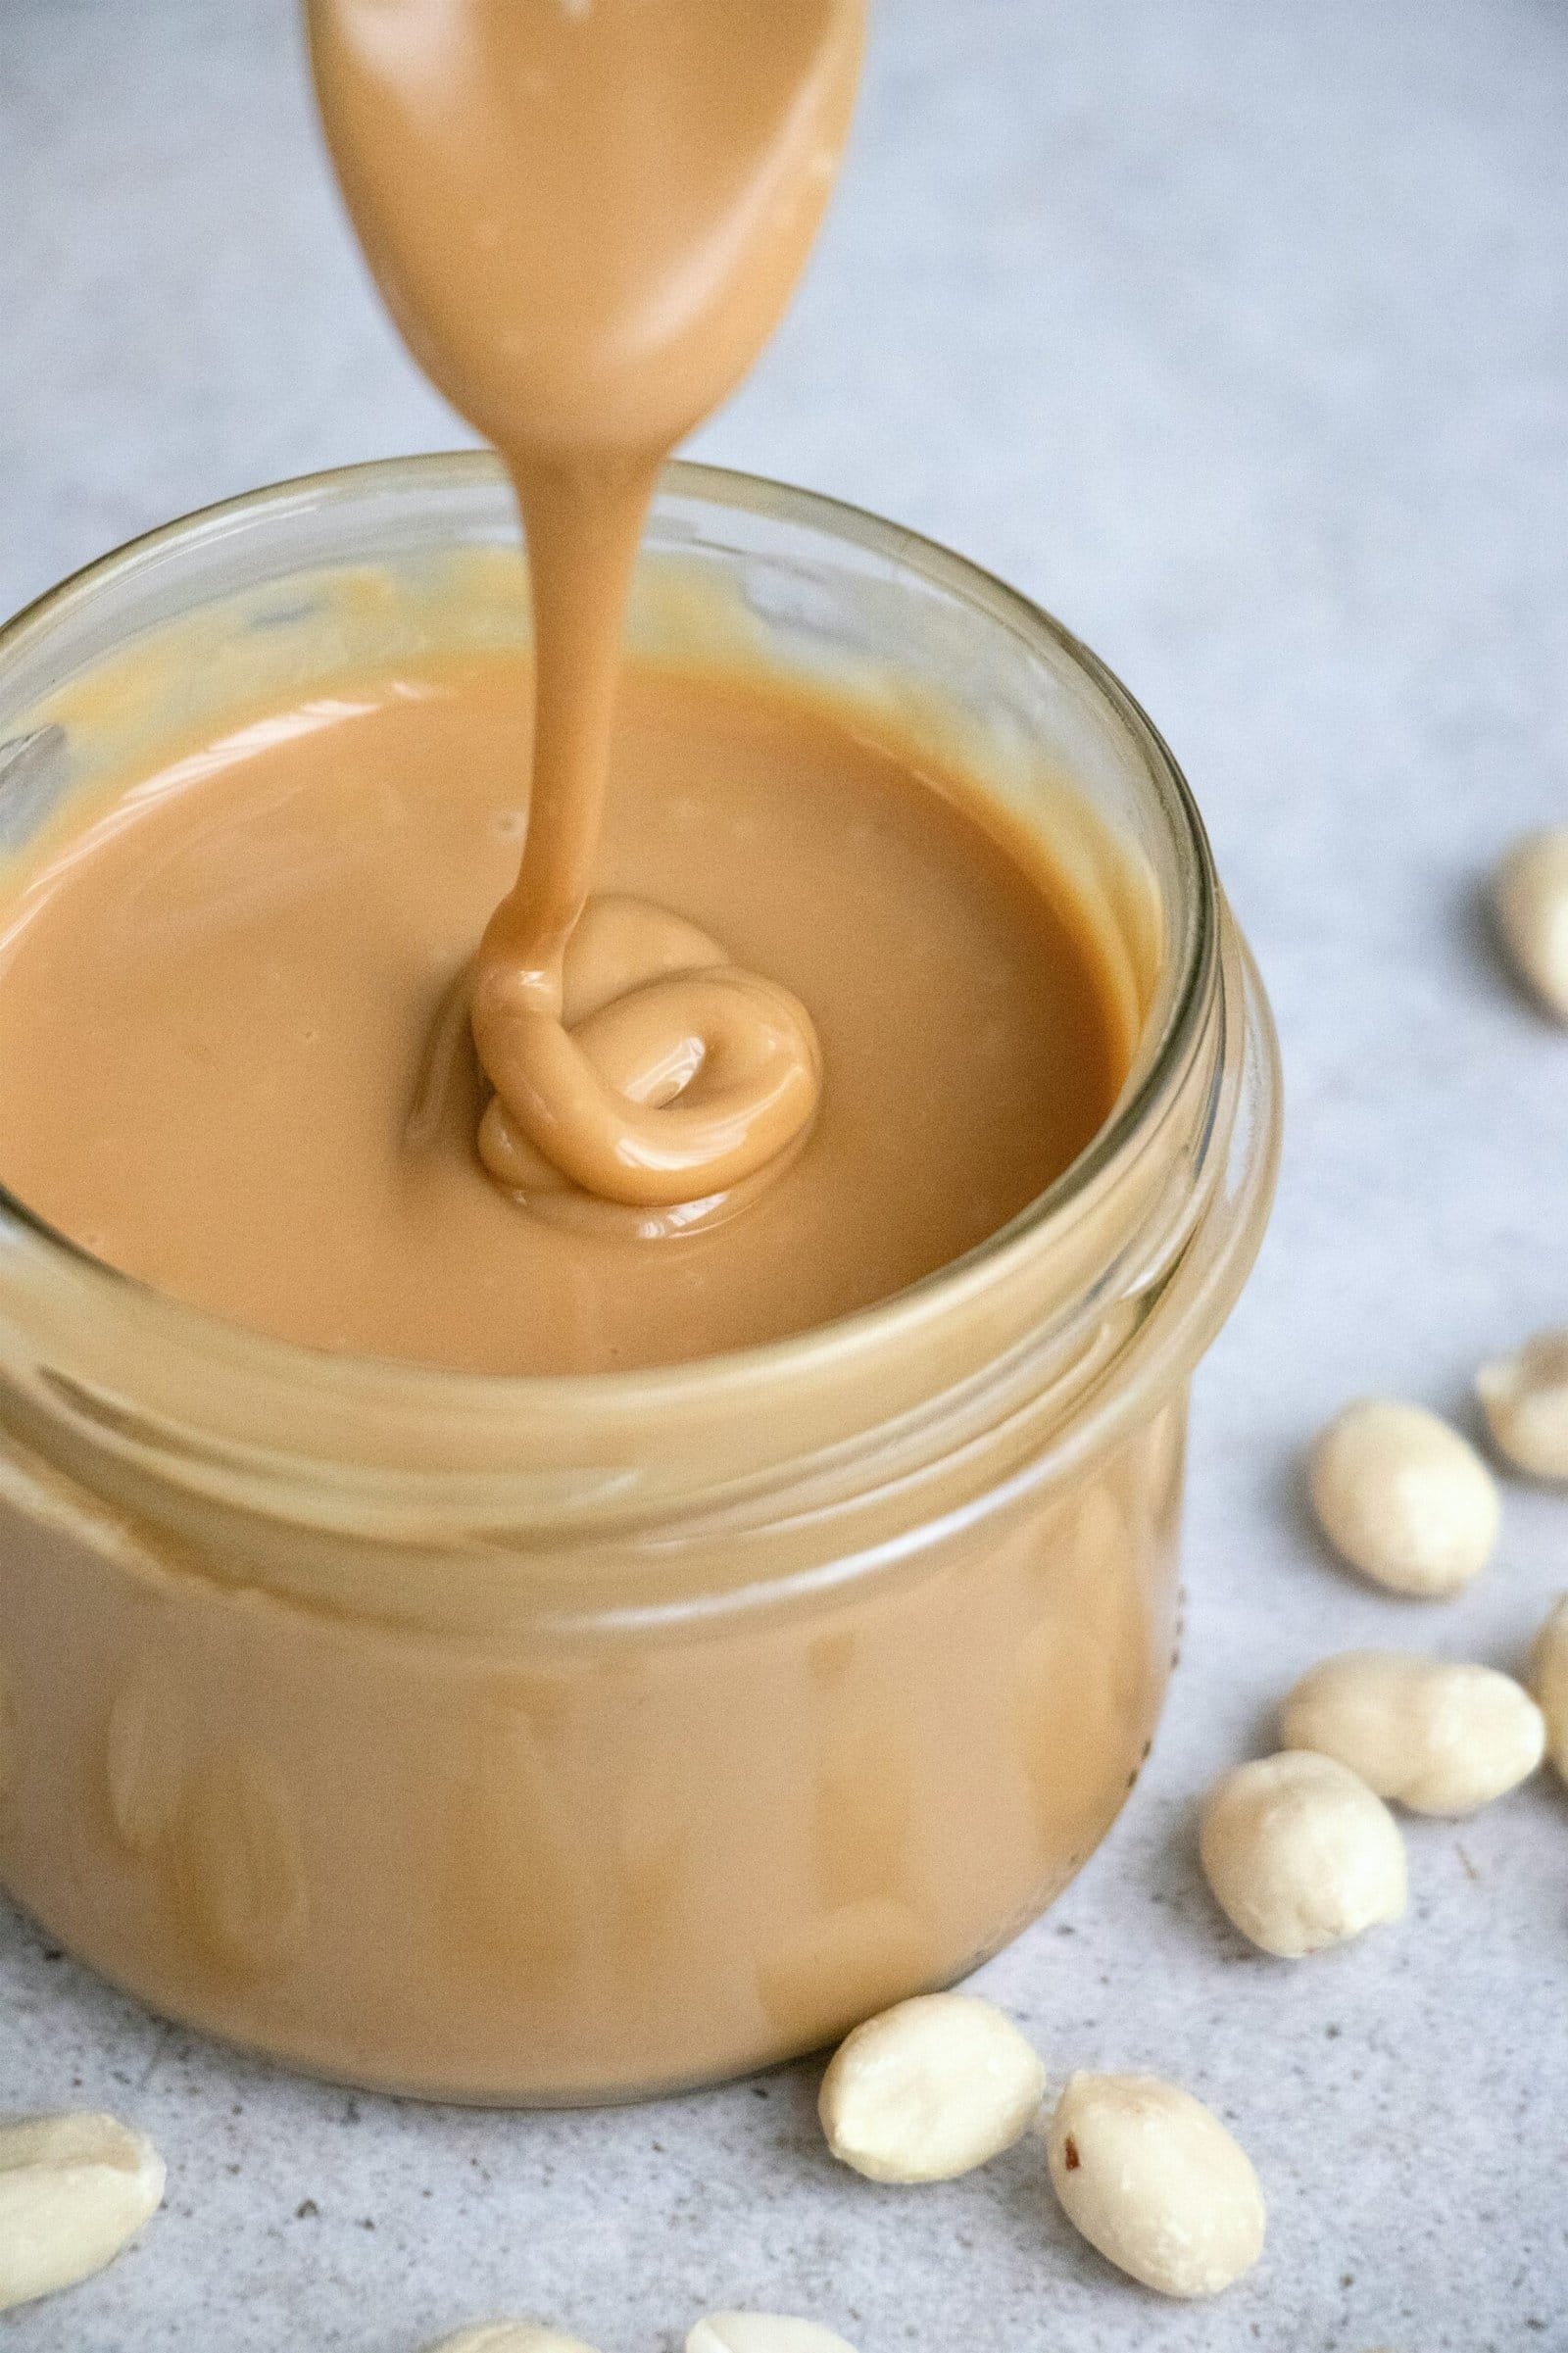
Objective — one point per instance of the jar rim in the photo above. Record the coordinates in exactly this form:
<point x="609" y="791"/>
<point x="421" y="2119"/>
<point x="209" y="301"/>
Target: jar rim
<point x="1171" y="1035"/>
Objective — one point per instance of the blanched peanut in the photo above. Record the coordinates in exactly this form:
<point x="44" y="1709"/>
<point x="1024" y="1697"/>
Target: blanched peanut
<point x="1549" y="1680"/>
<point x="1525" y="1400"/>
<point x="1301" y="1854"/>
<point x="1443" y="1740"/>
<point x="930" y="2089"/>
<point x="1153" y="2181"/>
<point x="74" y="2191"/>
<point x="1530" y="897"/>
<point x="509" y="2336"/>
<point x="1405" y="1498"/>
<point x="761" y="2333"/>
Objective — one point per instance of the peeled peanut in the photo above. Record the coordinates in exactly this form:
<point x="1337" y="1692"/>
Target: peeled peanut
<point x="1301" y="1854"/>
<point x="1529" y="898"/>
<point x="1153" y="2181"/>
<point x="1405" y="1498"/>
<point x="509" y="2336"/>
<point x="930" y="2089"/>
<point x="1549" y="1680"/>
<point x="761" y="2333"/>
<point x="1525" y="1400"/>
<point x="1441" y="1740"/>
<point x="74" y="2191"/>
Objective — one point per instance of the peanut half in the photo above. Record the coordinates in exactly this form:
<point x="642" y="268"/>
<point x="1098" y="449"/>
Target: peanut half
<point x="1301" y="1854"/>
<point x="1525" y="1400"/>
<point x="1440" y="1738"/>
<point x="74" y="2191"/>
<point x="761" y="2333"/>
<point x="930" y="2089"/>
<point x="1404" y="1498"/>
<point x="1530" y="900"/>
<point x="1153" y="2179"/>
<point x="1549" y="1680"/>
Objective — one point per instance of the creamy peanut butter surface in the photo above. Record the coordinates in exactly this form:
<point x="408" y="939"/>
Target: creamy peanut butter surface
<point x="223" y="1066"/>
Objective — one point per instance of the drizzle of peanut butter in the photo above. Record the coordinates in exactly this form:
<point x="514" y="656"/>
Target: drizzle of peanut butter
<point x="587" y="217"/>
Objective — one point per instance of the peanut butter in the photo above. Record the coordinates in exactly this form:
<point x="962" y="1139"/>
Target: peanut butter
<point x="587" y="217"/>
<point x="260" y="1107"/>
<point x="573" y="1738"/>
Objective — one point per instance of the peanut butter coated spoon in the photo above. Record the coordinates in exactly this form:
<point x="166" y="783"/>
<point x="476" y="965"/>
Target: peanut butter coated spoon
<point x="587" y="217"/>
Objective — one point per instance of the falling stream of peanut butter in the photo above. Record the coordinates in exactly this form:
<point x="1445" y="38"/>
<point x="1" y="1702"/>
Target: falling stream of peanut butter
<point x="587" y="217"/>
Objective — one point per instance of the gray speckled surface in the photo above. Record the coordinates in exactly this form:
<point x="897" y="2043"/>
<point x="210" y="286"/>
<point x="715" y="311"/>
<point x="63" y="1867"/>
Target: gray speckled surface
<point x="1239" y="335"/>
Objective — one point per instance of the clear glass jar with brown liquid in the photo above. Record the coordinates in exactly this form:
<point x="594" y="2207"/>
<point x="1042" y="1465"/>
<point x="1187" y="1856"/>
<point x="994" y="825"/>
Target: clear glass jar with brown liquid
<point x="559" y="1740"/>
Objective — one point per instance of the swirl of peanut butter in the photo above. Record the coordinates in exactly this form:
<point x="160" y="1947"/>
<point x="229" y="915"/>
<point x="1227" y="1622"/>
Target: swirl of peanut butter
<point x="587" y="217"/>
<point x="668" y="1074"/>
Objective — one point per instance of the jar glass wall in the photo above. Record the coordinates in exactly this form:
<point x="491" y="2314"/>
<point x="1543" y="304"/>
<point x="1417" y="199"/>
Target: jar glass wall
<point x="548" y="1739"/>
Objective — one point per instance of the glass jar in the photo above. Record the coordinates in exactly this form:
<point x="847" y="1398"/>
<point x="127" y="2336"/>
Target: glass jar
<point x="566" y="1740"/>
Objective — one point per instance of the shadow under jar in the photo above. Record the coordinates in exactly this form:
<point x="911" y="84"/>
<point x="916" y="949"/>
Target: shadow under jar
<point x="544" y="1741"/>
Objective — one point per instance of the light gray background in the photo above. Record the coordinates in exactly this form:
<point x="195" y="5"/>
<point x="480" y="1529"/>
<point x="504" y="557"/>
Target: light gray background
<point x="1238" y="333"/>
